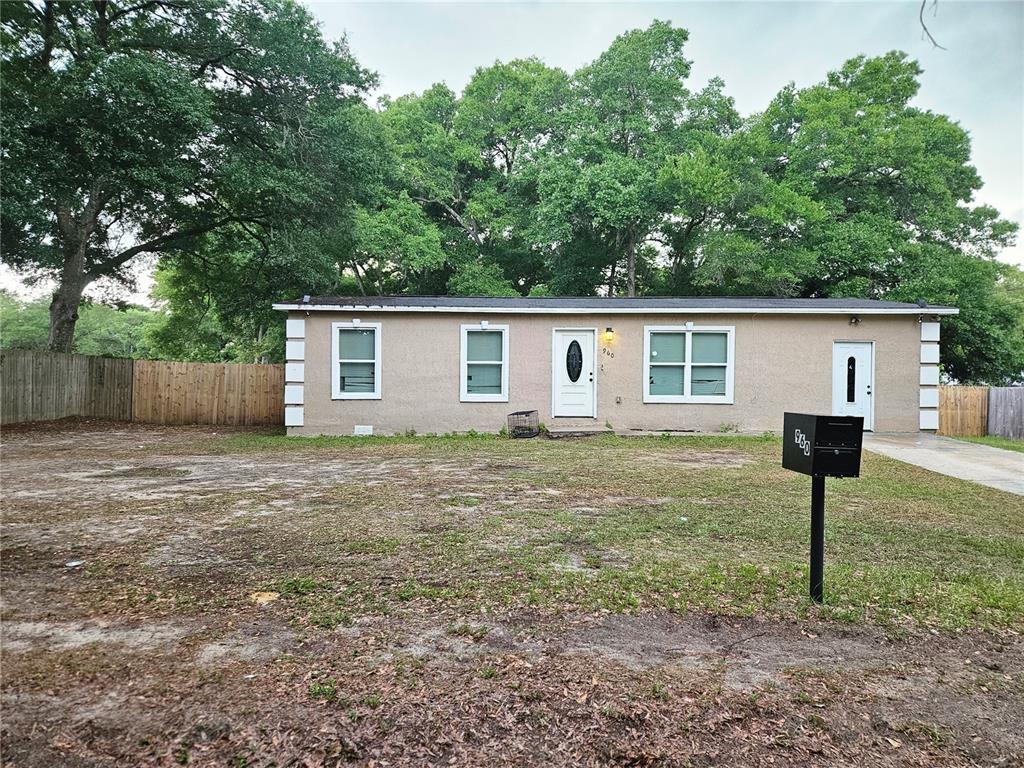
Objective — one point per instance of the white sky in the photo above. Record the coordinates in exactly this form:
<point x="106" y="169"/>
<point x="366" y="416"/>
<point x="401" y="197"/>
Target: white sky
<point x="756" y="47"/>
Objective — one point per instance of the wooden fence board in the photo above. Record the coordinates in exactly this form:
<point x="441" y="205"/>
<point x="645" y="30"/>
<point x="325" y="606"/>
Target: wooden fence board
<point x="963" y="411"/>
<point x="1006" y="412"/>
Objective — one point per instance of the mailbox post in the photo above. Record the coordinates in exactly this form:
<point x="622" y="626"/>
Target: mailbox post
<point x="821" y="446"/>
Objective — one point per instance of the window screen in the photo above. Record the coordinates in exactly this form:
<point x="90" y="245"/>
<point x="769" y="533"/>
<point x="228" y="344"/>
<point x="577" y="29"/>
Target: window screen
<point x="666" y="360"/>
<point x="483" y="364"/>
<point x="355" y="361"/>
<point x="357" y="364"/>
<point x="687" y="365"/>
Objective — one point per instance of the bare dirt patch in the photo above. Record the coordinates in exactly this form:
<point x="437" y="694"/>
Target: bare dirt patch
<point x="262" y="641"/>
<point x="25" y="635"/>
<point x="698" y="459"/>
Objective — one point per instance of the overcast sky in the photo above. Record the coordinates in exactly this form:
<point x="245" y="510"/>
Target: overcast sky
<point x="756" y="47"/>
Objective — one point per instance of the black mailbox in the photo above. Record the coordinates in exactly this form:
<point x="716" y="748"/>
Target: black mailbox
<point x="821" y="446"/>
<point x="825" y="446"/>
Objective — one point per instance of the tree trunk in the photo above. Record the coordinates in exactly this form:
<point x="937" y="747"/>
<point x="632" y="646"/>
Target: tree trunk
<point x="74" y="233"/>
<point x="631" y="266"/>
<point x="64" y="314"/>
<point x="68" y="296"/>
<point x="260" y="358"/>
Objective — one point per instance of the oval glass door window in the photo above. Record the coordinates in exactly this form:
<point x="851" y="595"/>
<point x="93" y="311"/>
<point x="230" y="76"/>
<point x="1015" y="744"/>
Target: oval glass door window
<point x="574" y="361"/>
<point x="851" y="380"/>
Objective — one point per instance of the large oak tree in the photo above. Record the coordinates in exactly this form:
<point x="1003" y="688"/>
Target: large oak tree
<point x="134" y="128"/>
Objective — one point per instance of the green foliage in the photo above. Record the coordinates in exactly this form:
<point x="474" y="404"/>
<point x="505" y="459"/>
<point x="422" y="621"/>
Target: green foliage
<point x="23" y="326"/>
<point x="996" y="441"/>
<point x="599" y="183"/>
<point x="480" y="279"/>
<point x="207" y="131"/>
<point x="102" y="330"/>
<point x="395" y="245"/>
<point x="229" y="139"/>
<point x="297" y="586"/>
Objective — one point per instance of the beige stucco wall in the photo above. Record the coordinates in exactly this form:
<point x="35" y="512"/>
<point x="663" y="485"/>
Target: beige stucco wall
<point x="783" y="362"/>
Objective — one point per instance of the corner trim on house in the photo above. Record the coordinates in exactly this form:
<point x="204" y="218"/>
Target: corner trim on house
<point x="294" y="371"/>
<point x="928" y="397"/>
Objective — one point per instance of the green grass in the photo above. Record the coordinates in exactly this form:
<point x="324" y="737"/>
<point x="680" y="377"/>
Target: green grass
<point x="709" y="523"/>
<point x="997" y="442"/>
<point x="326" y="690"/>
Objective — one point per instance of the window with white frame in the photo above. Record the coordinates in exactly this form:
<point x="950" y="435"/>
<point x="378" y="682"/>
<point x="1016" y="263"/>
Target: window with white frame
<point x="688" y="364"/>
<point x="355" y="359"/>
<point x="483" y="364"/>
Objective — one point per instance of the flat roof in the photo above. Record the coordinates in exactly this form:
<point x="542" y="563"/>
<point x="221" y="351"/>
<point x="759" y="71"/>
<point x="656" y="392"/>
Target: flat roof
<point x="612" y="305"/>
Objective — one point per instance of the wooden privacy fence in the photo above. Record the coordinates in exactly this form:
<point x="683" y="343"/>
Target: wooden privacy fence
<point x="979" y="411"/>
<point x="963" y="411"/>
<point x="207" y="393"/>
<point x="40" y="386"/>
<point x="1006" y="412"/>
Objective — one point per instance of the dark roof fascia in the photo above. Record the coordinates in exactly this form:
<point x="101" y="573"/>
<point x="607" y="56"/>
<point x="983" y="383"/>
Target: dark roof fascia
<point x="616" y="305"/>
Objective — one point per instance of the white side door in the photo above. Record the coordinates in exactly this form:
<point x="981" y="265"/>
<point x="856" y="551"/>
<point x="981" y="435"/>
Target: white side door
<point x="853" y="379"/>
<point x="574" y="390"/>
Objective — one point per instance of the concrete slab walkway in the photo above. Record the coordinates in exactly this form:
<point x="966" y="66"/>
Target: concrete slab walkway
<point x="980" y="464"/>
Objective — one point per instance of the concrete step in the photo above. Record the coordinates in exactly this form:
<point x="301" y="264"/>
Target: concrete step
<point x="559" y="433"/>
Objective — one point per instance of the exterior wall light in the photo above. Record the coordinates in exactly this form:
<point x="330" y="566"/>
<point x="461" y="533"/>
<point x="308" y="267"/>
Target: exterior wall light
<point x="854" y="320"/>
<point x="609" y="333"/>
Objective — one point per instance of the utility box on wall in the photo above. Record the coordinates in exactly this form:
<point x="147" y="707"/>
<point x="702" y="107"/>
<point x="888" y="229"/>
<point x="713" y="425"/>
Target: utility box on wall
<point x="826" y="446"/>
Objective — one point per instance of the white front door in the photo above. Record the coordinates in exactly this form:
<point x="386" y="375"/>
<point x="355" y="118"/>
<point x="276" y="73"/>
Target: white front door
<point x="572" y="373"/>
<point x="853" y="378"/>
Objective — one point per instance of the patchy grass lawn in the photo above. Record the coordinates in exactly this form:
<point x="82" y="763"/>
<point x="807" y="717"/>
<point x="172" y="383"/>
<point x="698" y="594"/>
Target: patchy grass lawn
<point x="997" y="442"/>
<point x="250" y="597"/>
<point x="691" y="523"/>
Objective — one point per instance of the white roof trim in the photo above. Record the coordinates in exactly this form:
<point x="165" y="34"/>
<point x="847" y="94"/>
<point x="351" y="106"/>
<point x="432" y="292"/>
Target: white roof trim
<point x="598" y="310"/>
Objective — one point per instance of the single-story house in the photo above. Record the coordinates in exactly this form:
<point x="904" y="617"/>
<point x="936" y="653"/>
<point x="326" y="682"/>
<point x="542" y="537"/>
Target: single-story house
<point x="390" y="364"/>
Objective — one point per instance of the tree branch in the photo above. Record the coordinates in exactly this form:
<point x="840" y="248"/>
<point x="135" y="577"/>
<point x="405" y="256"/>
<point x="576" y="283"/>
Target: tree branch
<point x="920" y="16"/>
<point x="159" y="243"/>
<point x="144" y="7"/>
<point x="469" y="230"/>
<point x="49" y="25"/>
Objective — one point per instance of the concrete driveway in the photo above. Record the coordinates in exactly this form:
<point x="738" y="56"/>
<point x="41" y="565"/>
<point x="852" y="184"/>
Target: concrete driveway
<point x="981" y="464"/>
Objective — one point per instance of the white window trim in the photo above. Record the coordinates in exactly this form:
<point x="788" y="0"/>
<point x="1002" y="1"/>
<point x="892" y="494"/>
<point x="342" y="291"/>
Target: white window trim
<point x="336" y="393"/>
<point x="464" y="395"/>
<point x="686" y="397"/>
